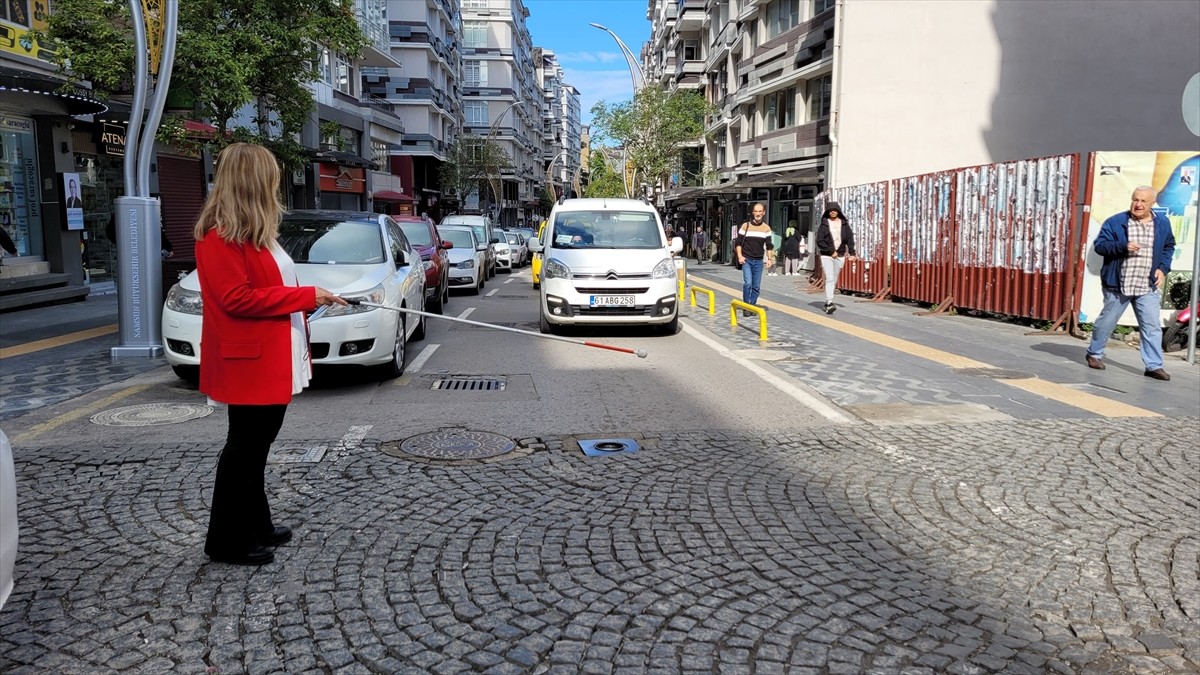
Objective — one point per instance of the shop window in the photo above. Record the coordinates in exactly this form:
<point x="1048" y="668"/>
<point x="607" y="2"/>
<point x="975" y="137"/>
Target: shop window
<point x="20" y="195"/>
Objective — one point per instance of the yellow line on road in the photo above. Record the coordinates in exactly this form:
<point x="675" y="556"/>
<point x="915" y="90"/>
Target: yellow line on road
<point x="1099" y="405"/>
<point x="55" y="422"/>
<point x="57" y="341"/>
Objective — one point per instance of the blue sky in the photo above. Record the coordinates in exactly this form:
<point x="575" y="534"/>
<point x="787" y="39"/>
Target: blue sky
<point x="591" y="60"/>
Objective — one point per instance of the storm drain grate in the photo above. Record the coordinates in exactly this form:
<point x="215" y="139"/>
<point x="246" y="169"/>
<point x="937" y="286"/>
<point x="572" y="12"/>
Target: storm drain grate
<point x="459" y="383"/>
<point x="603" y="447"/>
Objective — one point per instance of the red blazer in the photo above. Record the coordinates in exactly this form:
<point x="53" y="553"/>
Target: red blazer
<point x="246" y="339"/>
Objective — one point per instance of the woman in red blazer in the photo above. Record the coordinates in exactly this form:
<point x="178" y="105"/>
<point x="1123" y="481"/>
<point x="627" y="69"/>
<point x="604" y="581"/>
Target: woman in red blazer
<point x="253" y="344"/>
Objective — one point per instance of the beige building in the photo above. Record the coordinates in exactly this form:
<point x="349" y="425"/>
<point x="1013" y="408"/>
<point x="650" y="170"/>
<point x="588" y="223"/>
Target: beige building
<point x="819" y="93"/>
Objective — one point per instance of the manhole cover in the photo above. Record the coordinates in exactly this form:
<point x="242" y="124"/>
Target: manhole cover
<point x="457" y="444"/>
<point x="151" y="414"/>
<point x="461" y="383"/>
<point x="993" y="373"/>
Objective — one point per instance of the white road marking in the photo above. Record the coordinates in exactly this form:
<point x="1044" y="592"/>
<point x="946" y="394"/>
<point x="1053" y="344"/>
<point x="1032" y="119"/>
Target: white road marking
<point x="353" y="438"/>
<point x="509" y="280"/>
<point x="806" y="399"/>
<point x="492" y="292"/>
<point x="418" y="362"/>
<point x="466" y="312"/>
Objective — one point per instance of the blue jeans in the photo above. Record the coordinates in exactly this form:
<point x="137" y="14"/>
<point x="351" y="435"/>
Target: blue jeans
<point x="751" y="279"/>
<point x="1146" y="309"/>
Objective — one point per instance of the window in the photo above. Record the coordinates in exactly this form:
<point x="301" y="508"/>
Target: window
<point x="343" y="75"/>
<point x="751" y="116"/>
<point x="476" y="113"/>
<point x="691" y="50"/>
<point x="324" y="66"/>
<point x="819" y="90"/>
<point x="822" y="5"/>
<point x="474" y="4"/>
<point x="475" y="73"/>
<point x="781" y="109"/>
<point x="781" y="16"/>
<point x="474" y="34"/>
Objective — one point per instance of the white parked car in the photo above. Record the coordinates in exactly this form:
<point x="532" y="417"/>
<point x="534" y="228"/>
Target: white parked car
<point x="468" y="257"/>
<point x="606" y="262"/>
<point x="356" y="255"/>
<point x="520" y="252"/>
<point x="8" y="519"/>
<point x="485" y="232"/>
<point x="504" y="256"/>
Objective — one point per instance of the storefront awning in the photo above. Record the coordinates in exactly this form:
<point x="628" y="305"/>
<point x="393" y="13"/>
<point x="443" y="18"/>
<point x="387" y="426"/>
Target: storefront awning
<point x="391" y="196"/>
<point x="78" y="100"/>
<point x="767" y="180"/>
<point x="343" y="158"/>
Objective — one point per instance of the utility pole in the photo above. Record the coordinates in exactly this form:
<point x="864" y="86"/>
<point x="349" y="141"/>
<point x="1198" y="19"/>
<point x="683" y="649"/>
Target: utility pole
<point x="139" y="217"/>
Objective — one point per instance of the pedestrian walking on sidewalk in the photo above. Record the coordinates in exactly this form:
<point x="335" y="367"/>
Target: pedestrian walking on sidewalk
<point x="699" y="243"/>
<point x="791" y="250"/>
<point x="753" y="242"/>
<point x="255" y="354"/>
<point x="1137" y="246"/>
<point x="835" y="243"/>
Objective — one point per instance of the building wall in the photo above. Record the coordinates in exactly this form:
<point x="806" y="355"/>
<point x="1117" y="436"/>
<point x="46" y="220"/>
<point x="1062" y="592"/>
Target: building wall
<point x="928" y="85"/>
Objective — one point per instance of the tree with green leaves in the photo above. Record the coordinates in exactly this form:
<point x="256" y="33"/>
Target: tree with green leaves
<point x="229" y="54"/>
<point x="605" y="180"/>
<point x="472" y="159"/>
<point x="651" y="128"/>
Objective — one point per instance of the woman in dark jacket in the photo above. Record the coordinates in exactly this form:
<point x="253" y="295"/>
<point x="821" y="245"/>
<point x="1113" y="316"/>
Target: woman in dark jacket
<point x="835" y="243"/>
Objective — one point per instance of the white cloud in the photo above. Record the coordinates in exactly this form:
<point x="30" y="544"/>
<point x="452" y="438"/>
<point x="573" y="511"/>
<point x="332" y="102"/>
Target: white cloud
<point x="611" y="86"/>
<point x="589" y="57"/>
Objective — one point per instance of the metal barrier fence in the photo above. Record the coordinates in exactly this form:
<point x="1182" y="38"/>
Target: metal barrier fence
<point x="997" y="238"/>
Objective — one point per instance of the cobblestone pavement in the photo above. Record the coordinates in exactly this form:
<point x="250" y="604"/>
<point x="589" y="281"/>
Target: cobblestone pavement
<point x="1015" y="547"/>
<point x="30" y="382"/>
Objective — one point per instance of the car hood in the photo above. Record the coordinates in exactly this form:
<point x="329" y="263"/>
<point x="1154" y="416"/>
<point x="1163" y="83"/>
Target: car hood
<point x="337" y="278"/>
<point x="457" y="255"/>
<point x="600" y="261"/>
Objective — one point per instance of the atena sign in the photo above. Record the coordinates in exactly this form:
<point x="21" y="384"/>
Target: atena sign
<point x="112" y="139"/>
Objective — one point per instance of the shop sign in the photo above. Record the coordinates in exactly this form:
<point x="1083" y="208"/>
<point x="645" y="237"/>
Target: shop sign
<point x="338" y="178"/>
<point x="15" y="34"/>
<point x="20" y="124"/>
<point x="112" y="139"/>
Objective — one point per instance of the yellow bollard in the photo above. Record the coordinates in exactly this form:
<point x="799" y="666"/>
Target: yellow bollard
<point x="712" y="298"/>
<point x="734" y="305"/>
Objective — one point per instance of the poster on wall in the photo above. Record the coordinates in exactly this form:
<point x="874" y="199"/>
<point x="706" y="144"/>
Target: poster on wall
<point x="73" y="201"/>
<point x="1174" y="176"/>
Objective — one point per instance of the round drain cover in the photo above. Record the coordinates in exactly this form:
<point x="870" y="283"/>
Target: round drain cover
<point x="457" y="444"/>
<point x="151" y="414"/>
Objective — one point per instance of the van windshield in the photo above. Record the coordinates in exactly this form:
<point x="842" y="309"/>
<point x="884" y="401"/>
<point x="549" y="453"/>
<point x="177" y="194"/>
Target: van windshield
<point x="607" y="229"/>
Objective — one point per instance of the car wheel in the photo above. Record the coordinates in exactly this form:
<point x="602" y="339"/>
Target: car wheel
<point x="419" y="331"/>
<point x="544" y="324"/>
<point x="395" y="367"/>
<point x="671" y="327"/>
<point x="478" y="285"/>
<point x="536" y="286"/>
<point x="189" y="374"/>
<point x="435" y="305"/>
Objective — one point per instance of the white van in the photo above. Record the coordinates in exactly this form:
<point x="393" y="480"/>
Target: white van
<point x="606" y="262"/>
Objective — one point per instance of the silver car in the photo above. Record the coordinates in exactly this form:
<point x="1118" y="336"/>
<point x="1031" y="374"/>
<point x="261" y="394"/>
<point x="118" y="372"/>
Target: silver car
<point x="8" y="519"/>
<point x="520" y="252"/>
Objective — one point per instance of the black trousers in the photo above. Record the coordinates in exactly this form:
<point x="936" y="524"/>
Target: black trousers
<point x="240" y="513"/>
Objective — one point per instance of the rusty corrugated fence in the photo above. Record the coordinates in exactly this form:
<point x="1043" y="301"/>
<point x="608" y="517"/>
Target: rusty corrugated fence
<point x="994" y="238"/>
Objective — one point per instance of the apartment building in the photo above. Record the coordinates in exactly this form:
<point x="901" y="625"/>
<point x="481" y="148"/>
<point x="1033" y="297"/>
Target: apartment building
<point x="503" y="101"/>
<point x="424" y="89"/>
<point x="561" y="123"/>
<point x="818" y="93"/>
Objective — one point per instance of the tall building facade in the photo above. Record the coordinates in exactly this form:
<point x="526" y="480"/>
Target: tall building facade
<point x="561" y="123"/>
<point x="811" y="94"/>
<point x="502" y="101"/>
<point x="425" y="91"/>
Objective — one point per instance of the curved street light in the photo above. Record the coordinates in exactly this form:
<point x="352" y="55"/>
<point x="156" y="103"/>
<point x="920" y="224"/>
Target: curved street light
<point x="550" y="176"/>
<point x="635" y="69"/>
<point x="494" y="176"/>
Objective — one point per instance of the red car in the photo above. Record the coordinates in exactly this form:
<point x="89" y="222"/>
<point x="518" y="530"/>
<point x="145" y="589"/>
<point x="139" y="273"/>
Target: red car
<point x="424" y="237"/>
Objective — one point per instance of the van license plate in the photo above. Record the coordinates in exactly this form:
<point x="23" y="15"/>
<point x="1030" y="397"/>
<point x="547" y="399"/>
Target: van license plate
<point x="612" y="301"/>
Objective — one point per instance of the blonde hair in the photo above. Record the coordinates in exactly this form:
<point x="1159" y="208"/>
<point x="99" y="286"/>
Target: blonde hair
<point x="244" y="203"/>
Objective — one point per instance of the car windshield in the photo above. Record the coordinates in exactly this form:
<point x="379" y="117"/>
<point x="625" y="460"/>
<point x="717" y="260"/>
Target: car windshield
<point x="417" y="233"/>
<point x="460" y="238"/>
<point x="321" y="242"/>
<point x="512" y="238"/>
<point x="607" y="229"/>
<point x="480" y="232"/>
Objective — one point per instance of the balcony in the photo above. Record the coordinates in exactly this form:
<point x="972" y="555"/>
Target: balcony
<point x="690" y="15"/>
<point x="371" y="16"/>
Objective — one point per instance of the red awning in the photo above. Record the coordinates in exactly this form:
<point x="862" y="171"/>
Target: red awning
<point x="392" y="196"/>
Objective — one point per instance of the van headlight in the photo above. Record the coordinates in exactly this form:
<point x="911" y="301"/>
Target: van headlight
<point x="182" y="300"/>
<point x="665" y="269"/>
<point x="555" y="269"/>
<point x="375" y="295"/>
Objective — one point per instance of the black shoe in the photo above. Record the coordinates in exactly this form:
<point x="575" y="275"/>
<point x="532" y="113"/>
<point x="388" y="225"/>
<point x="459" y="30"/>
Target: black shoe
<point x="1158" y="374"/>
<point x="282" y="534"/>
<point x="1094" y="362"/>
<point x="746" y="312"/>
<point x="255" y="556"/>
<point x="830" y="308"/>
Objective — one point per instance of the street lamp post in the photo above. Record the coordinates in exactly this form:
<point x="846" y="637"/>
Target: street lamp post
<point x="138" y="216"/>
<point x="639" y="81"/>
<point x="550" y="175"/>
<point x="494" y="176"/>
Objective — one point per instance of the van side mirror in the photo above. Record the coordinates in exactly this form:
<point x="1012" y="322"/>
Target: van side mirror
<point x="534" y="245"/>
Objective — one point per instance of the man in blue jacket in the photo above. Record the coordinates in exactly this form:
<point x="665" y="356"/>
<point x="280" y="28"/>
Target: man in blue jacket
<point x="1137" y="246"/>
